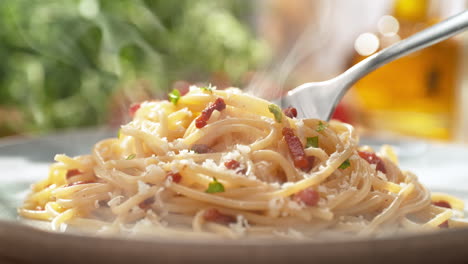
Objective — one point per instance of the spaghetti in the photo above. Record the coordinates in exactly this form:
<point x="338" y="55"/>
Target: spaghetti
<point x="217" y="163"/>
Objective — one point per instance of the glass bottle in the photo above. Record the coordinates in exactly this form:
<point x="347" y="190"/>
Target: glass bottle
<point x="414" y="95"/>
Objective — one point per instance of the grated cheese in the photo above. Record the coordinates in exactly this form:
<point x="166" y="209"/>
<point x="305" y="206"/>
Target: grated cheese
<point x="322" y="188"/>
<point x="240" y="226"/>
<point x="276" y="203"/>
<point x="142" y="187"/>
<point x="210" y="163"/>
<point x="233" y="155"/>
<point x="243" y="149"/>
<point x="382" y="175"/>
<point x="115" y="201"/>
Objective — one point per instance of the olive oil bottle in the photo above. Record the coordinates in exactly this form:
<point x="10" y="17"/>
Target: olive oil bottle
<point x="414" y="95"/>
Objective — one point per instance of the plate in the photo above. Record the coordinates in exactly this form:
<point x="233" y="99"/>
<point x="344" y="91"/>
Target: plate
<point x="440" y="167"/>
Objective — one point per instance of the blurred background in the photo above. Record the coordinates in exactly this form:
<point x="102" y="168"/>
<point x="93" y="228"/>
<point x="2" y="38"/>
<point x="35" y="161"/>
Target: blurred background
<point x="66" y="64"/>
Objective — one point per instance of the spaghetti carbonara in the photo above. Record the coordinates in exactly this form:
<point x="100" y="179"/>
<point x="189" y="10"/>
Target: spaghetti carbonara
<point x="221" y="163"/>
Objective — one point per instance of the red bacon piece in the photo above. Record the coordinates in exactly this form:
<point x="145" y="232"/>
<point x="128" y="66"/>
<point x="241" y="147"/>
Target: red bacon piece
<point x="176" y="177"/>
<point x="243" y="171"/>
<point x="290" y="112"/>
<point x="442" y="204"/>
<point x="133" y="108"/>
<point x="309" y="197"/>
<point x="77" y="183"/>
<point x="213" y="215"/>
<point x="201" y="148"/>
<point x="372" y="158"/>
<point x="444" y="225"/>
<point x="445" y="205"/>
<point x="296" y="149"/>
<point x="146" y="204"/>
<point x="74" y="172"/>
<point x="232" y="164"/>
<point x="206" y="114"/>
<point x="311" y="160"/>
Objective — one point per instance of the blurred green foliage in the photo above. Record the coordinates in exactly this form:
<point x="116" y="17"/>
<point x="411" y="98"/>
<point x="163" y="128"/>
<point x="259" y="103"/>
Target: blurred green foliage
<point x="62" y="60"/>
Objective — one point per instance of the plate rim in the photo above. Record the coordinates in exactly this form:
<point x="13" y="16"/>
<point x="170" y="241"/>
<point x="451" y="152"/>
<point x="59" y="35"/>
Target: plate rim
<point x="8" y="228"/>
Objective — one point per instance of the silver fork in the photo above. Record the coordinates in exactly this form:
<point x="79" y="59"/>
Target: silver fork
<point x="319" y="99"/>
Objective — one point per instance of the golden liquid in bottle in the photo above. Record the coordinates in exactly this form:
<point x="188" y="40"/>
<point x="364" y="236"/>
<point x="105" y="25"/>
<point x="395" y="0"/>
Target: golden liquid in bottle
<point x="414" y="95"/>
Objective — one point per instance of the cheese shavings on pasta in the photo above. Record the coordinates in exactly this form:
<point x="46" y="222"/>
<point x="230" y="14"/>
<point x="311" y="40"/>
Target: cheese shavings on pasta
<point x="221" y="163"/>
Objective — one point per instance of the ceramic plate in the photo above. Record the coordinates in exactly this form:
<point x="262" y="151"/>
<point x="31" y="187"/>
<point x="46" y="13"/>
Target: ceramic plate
<point x="24" y="161"/>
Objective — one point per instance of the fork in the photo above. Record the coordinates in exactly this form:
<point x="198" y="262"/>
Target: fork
<point x="319" y="99"/>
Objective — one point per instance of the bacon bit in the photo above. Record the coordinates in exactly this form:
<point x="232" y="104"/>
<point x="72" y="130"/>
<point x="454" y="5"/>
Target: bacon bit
<point x="296" y="149"/>
<point x="74" y="172"/>
<point x="201" y="148"/>
<point x="213" y="215"/>
<point x="176" y="177"/>
<point x="206" y="114"/>
<point x="308" y="196"/>
<point x="243" y="171"/>
<point x="234" y="165"/>
<point x="77" y="183"/>
<point x="133" y="108"/>
<point x="146" y="204"/>
<point x="372" y="158"/>
<point x="311" y="160"/>
<point x="442" y="204"/>
<point x="444" y="224"/>
<point x="290" y="112"/>
<point x="445" y="205"/>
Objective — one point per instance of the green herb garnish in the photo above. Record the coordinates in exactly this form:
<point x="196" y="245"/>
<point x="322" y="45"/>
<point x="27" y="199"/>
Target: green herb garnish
<point x="131" y="156"/>
<point x="215" y="186"/>
<point x="208" y="88"/>
<point x="345" y="164"/>
<point x="276" y="111"/>
<point x="118" y="133"/>
<point x="321" y="126"/>
<point x="312" y="142"/>
<point x="174" y="96"/>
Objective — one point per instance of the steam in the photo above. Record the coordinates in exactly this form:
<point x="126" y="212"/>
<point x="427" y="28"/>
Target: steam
<point x="272" y="82"/>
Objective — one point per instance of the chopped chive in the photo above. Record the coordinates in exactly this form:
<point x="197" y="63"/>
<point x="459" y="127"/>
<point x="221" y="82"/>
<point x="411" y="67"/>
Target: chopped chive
<point x="174" y="96"/>
<point x="312" y="142"/>
<point x="345" y="164"/>
<point x="276" y="111"/>
<point x="208" y="88"/>
<point x="131" y="156"/>
<point x="321" y="126"/>
<point x="215" y="186"/>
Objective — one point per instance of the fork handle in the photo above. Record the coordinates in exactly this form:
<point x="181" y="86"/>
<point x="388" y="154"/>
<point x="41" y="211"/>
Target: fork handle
<point x="440" y="31"/>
